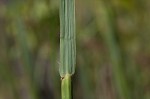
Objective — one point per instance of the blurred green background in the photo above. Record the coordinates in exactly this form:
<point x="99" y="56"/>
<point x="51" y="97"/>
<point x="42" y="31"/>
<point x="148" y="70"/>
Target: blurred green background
<point x="113" y="49"/>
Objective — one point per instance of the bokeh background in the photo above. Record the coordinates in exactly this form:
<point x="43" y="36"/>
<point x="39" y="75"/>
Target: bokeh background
<point x="113" y="49"/>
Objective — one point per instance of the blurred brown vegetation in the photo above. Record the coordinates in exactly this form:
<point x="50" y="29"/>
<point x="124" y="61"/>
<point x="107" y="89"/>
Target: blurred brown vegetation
<point x="113" y="49"/>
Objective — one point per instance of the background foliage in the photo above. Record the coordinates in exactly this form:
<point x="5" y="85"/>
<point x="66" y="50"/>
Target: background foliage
<point x="113" y="52"/>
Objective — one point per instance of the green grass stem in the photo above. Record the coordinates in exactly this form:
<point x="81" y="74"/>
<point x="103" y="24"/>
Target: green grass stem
<point x="67" y="45"/>
<point x="66" y="87"/>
